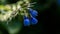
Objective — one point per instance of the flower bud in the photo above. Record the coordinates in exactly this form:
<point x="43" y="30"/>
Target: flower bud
<point x="34" y="13"/>
<point x="33" y="20"/>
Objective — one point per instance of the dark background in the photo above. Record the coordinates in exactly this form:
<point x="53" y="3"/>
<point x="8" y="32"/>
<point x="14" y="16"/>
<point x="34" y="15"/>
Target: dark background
<point x="47" y="18"/>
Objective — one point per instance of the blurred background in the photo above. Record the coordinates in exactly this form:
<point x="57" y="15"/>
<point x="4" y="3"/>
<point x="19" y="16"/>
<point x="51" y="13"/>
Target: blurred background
<point x="49" y="11"/>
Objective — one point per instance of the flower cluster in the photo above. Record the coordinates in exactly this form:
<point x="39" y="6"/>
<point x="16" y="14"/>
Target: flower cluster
<point x="21" y="8"/>
<point x="32" y="20"/>
<point x="29" y="14"/>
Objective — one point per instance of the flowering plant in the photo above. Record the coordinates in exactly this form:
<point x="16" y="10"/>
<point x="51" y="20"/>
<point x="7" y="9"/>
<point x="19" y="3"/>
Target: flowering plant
<point x="21" y="11"/>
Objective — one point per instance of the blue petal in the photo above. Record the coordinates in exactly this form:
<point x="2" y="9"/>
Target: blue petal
<point x="34" y="13"/>
<point x="26" y="22"/>
<point x="34" y="20"/>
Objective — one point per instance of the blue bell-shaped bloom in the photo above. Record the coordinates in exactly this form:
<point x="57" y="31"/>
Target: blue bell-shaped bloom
<point x="33" y="20"/>
<point x="34" y="13"/>
<point x="26" y="21"/>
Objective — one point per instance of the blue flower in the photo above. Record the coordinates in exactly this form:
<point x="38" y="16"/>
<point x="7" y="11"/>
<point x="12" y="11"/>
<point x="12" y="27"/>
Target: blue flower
<point x="33" y="20"/>
<point x="26" y="21"/>
<point x="34" y="13"/>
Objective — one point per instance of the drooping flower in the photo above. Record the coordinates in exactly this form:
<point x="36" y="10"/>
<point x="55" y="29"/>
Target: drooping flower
<point x="33" y="20"/>
<point x="34" y="13"/>
<point x="26" y="21"/>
